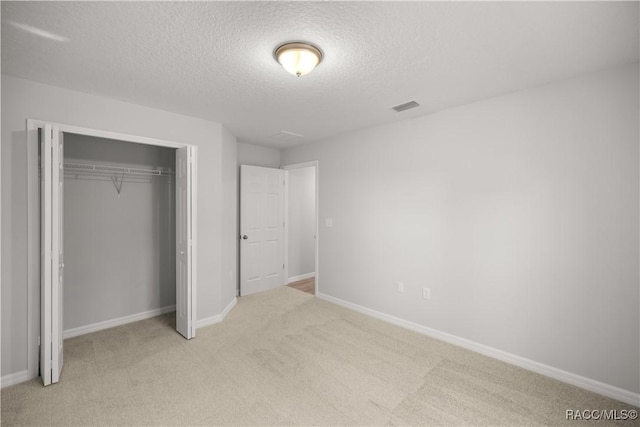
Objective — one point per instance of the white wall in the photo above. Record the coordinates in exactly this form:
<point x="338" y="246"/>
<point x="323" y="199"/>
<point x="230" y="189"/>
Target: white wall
<point x="301" y="219"/>
<point x="255" y="155"/>
<point x="519" y="212"/>
<point x="229" y="271"/>
<point x="119" y="249"/>
<point x="22" y="99"/>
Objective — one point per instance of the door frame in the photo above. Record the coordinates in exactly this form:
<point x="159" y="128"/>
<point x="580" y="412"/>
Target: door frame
<point x="33" y="225"/>
<point x="315" y="164"/>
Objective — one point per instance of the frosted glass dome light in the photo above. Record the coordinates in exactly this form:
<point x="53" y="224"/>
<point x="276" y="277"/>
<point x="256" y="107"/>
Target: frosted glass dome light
<point x="298" y="58"/>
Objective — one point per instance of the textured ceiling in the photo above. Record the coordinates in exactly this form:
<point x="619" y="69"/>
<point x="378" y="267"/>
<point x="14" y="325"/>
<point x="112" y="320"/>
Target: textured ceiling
<point x="215" y="60"/>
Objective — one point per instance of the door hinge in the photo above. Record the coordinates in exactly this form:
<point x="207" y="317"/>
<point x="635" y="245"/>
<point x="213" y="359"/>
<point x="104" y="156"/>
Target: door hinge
<point x="283" y="266"/>
<point x="38" y="340"/>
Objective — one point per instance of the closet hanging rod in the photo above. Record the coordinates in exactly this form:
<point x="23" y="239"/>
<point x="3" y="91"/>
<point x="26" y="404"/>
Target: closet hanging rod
<point x="104" y="169"/>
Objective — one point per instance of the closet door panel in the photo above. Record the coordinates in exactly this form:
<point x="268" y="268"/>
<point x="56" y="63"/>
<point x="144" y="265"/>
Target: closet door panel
<point x="52" y="178"/>
<point x="45" y="270"/>
<point x="184" y="276"/>
<point x="57" y="263"/>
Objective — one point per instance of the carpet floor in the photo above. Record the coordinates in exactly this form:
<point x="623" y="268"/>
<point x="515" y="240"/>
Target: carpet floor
<point x="284" y="357"/>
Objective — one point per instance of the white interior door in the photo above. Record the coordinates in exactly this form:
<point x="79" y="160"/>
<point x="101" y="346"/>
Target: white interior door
<point x="52" y="208"/>
<point x="185" y="240"/>
<point x="261" y="229"/>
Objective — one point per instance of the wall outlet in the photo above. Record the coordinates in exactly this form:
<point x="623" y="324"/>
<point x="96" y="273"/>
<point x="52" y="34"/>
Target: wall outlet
<point x="400" y="287"/>
<point x="426" y="293"/>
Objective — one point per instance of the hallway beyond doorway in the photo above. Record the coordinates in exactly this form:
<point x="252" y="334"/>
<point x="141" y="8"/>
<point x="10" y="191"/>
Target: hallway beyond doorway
<point x="306" y="285"/>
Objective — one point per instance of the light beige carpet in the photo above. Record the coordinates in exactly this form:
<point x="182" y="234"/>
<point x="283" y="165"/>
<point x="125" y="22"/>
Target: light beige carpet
<point x="285" y="357"/>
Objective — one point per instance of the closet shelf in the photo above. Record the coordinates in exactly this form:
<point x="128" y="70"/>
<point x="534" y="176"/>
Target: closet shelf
<point x="110" y="170"/>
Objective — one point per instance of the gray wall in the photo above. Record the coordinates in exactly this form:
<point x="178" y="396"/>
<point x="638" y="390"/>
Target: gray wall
<point x="119" y="248"/>
<point x="519" y="212"/>
<point x="22" y="99"/>
<point x="229" y="272"/>
<point x="255" y="155"/>
<point x="301" y="218"/>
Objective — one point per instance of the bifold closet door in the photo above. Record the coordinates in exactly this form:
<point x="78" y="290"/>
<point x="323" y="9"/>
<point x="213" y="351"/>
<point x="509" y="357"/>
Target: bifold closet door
<point x="52" y="281"/>
<point x="185" y="240"/>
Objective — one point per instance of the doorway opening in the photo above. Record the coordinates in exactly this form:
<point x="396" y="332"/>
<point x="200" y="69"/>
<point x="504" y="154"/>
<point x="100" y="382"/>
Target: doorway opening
<point x="279" y="228"/>
<point x="135" y="266"/>
<point x="301" y="230"/>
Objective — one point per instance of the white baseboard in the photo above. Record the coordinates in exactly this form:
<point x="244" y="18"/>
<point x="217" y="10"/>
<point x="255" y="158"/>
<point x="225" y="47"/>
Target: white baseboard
<point x="218" y="317"/>
<point x="74" y="332"/>
<point x="301" y="277"/>
<point x="540" y="368"/>
<point x="15" y="378"/>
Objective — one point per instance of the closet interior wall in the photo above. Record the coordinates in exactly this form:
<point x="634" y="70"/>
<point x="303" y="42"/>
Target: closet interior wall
<point x="119" y="231"/>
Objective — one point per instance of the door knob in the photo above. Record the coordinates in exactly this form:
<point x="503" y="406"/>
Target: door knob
<point x="245" y="237"/>
<point x="181" y="252"/>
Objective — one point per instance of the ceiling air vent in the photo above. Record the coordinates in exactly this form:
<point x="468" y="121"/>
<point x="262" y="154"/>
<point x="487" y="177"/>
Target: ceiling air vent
<point x="405" y="106"/>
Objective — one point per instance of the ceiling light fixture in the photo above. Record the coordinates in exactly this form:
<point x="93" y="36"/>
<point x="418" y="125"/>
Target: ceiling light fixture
<point x="298" y="58"/>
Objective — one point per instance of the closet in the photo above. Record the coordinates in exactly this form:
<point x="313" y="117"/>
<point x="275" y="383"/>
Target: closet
<point x="117" y="234"/>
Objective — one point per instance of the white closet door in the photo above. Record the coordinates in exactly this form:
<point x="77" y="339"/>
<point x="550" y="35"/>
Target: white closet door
<point x="52" y="179"/>
<point x="185" y="240"/>
<point x="262" y="229"/>
<point x="57" y="250"/>
<point x="45" y="270"/>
